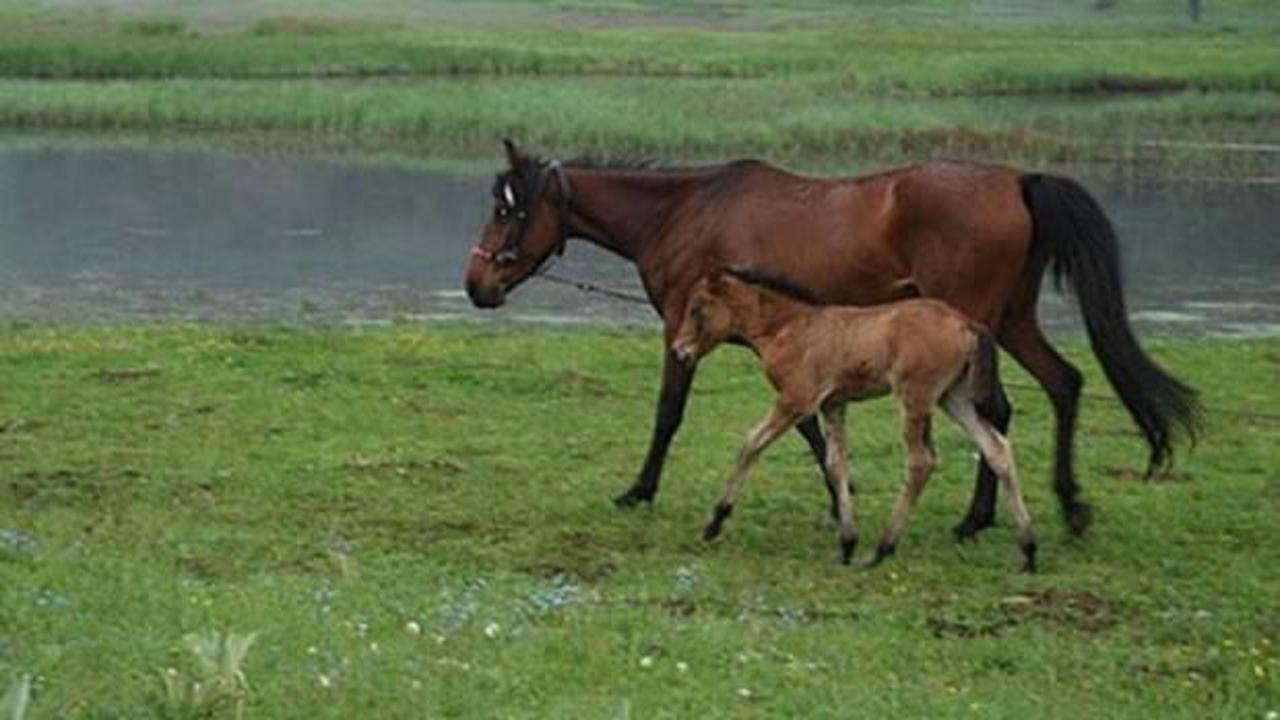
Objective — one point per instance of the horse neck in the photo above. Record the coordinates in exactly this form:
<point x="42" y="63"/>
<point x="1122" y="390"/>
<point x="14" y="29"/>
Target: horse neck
<point x="760" y="316"/>
<point x="624" y="211"/>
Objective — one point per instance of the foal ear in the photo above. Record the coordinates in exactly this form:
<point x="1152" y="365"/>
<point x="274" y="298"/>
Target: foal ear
<point x="717" y="280"/>
<point x="515" y="156"/>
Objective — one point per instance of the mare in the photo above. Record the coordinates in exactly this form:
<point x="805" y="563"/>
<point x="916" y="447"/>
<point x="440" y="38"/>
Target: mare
<point x="820" y="358"/>
<point x="978" y="237"/>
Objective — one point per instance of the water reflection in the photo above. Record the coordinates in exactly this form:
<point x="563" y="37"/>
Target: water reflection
<point x="124" y="235"/>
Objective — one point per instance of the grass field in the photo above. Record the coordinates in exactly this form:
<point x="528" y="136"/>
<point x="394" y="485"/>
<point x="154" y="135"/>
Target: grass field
<point x="415" y="522"/>
<point x="675" y="79"/>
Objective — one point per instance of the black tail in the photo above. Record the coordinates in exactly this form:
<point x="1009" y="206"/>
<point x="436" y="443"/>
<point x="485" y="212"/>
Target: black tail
<point x="984" y="372"/>
<point x="1075" y="235"/>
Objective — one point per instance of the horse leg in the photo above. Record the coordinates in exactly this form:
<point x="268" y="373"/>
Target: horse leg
<point x="676" y="379"/>
<point x="765" y="433"/>
<point x="998" y="453"/>
<point x="920" y="463"/>
<point x="838" y="481"/>
<point x="982" y="509"/>
<point x="1027" y="344"/>
<point x="808" y="428"/>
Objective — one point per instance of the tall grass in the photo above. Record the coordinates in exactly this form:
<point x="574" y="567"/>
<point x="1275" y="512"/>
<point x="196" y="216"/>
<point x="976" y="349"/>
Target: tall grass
<point x="934" y="61"/>
<point x="677" y="118"/>
<point x="901" y="89"/>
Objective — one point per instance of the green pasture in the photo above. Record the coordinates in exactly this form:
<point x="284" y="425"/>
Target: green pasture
<point x="415" y="522"/>
<point x="814" y="83"/>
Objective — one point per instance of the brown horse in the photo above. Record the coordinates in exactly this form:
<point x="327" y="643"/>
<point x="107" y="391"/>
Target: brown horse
<point x="975" y="236"/>
<point x="820" y="358"/>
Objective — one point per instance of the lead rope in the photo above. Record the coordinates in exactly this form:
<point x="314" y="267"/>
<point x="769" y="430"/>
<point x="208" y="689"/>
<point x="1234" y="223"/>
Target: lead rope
<point x="588" y="287"/>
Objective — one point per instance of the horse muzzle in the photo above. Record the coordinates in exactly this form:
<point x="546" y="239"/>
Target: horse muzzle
<point x="487" y="297"/>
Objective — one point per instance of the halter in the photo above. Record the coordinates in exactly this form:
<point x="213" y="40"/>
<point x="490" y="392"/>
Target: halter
<point x="512" y="249"/>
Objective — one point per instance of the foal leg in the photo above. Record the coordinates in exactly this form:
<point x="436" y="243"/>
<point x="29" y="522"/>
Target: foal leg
<point x="998" y="453"/>
<point x="920" y="463"/>
<point x="838" y="480"/>
<point x="982" y="510"/>
<point x="765" y="433"/>
<point x="812" y="434"/>
<point x="676" y="379"/>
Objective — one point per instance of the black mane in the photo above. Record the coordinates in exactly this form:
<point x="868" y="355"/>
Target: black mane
<point x="596" y="162"/>
<point x="772" y="281"/>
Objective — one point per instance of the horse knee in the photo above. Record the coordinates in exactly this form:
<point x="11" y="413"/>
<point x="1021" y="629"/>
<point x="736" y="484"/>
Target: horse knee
<point x="996" y="409"/>
<point x="1066" y="394"/>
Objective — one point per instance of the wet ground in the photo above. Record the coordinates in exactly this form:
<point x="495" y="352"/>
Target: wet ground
<point x="125" y="235"/>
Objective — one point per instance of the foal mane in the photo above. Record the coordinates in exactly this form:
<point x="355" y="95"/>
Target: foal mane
<point x="774" y="282"/>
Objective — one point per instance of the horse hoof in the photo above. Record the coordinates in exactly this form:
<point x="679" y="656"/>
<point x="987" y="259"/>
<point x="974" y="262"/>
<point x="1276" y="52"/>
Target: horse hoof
<point x="1079" y="517"/>
<point x="969" y="528"/>
<point x="631" y="497"/>
<point x="711" y="531"/>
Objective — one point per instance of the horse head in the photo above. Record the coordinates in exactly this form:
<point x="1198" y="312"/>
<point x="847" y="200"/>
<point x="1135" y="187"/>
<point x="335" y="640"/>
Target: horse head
<point x="529" y="223"/>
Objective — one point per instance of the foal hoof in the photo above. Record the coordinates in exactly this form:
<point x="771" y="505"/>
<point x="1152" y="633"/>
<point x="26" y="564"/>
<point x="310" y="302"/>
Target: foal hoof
<point x="970" y="526"/>
<point x="846" y="550"/>
<point x="1029" y="557"/>
<point x="1079" y="516"/>
<point x="633" y="496"/>
<point x="882" y="551"/>
<point x="712" y="530"/>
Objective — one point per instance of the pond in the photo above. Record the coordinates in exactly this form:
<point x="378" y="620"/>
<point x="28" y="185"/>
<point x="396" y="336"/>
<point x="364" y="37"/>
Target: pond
<point x="126" y="235"/>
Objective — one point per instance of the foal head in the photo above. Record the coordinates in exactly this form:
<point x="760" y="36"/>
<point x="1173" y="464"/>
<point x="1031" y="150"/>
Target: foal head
<point x="736" y="304"/>
<point x="710" y="316"/>
<point x="530" y="207"/>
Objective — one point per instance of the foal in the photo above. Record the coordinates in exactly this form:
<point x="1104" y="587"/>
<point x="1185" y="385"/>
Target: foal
<point x="819" y="358"/>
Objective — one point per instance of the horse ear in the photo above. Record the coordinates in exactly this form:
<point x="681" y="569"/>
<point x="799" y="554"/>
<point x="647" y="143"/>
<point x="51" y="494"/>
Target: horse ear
<point x="515" y="156"/>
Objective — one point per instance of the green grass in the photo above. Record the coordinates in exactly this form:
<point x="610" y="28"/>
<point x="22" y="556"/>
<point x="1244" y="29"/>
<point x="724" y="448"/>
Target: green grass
<point x="877" y="85"/>
<point x="683" y="118"/>
<point x="334" y="490"/>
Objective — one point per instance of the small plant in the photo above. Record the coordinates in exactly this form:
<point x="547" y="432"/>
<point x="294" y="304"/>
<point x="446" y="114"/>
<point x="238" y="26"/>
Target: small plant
<point x="17" y="700"/>
<point x="219" y="682"/>
<point x="154" y="27"/>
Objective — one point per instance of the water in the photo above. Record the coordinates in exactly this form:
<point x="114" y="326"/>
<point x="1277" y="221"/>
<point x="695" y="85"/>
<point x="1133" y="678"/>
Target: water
<point x="122" y="235"/>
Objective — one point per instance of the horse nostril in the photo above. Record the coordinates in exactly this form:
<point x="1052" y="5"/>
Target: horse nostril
<point x="483" y="297"/>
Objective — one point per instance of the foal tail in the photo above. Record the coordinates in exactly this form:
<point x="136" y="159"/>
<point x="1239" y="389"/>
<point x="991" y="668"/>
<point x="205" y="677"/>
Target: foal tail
<point x="1075" y="236"/>
<point x="983" y="374"/>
